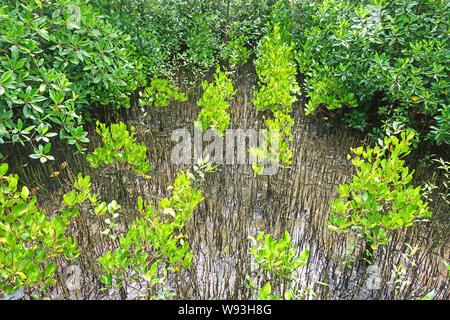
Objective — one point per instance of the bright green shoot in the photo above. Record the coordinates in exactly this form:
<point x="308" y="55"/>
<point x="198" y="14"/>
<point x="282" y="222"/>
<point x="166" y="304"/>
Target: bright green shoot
<point x="277" y="263"/>
<point x="277" y="74"/>
<point x="380" y="198"/>
<point x="160" y="94"/>
<point x="119" y="146"/>
<point x="30" y="241"/>
<point x="215" y="102"/>
<point x="156" y="242"/>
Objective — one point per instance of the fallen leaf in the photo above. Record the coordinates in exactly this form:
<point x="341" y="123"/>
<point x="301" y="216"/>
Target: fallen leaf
<point x="55" y="174"/>
<point x="63" y="165"/>
<point x="34" y="190"/>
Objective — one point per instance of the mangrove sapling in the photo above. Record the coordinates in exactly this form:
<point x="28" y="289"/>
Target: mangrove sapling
<point x="380" y="198"/>
<point x="160" y="93"/>
<point x="30" y="241"/>
<point x="351" y="257"/>
<point x="155" y="243"/>
<point x="119" y="146"/>
<point x="81" y="197"/>
<point x="215" y="102"/>
<point x="276" y="262"/>
<point x="276" y="70"/>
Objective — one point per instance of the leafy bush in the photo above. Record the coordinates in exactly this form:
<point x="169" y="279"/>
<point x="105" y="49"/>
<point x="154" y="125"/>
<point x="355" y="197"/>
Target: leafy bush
<point x="328" y="91"/>
<point x="119" y="146"/>
<point x="155" y="242"/>
<point x="276" y="71"/>
<point x="380" y="198"/>
<point x="396" y="51"/>
<point x="277" y="257"/>
<point x="57" y="60"/>
<point x="160" y="93"/>
<point x="278" y="261"/>
<point x="215" y="103"/>
<point x="30" y="241"/>
<point x="235" y="51"/>
<point x="202" y="44"/>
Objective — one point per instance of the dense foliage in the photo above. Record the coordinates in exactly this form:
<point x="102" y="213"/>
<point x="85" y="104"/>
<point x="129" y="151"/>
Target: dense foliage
<point x="388" y="57"/>
<point x="373" y="61"/>
<point x="30" y="241"/>
<point x="387" y="60"/>
<point x="59" y="59"/>
<point x="192" y="34"/>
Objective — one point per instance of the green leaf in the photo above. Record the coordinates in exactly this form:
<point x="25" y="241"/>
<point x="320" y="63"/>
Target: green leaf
<point x="25" y="192"/>
<point x="58" y="224"/>
<point x="304" y="255"/>
<point x="106" y="279"/>
<point x="47" y="147"/>
<point x="19" y="209"/>
<point x="50" y="269"/>
<point x="33" y="273"/>
<point x="267" y="289"/>
<point x="3" y="169"/>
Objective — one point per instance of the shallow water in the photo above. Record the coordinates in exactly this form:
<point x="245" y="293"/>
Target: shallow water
<point x="238" y="205"/>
